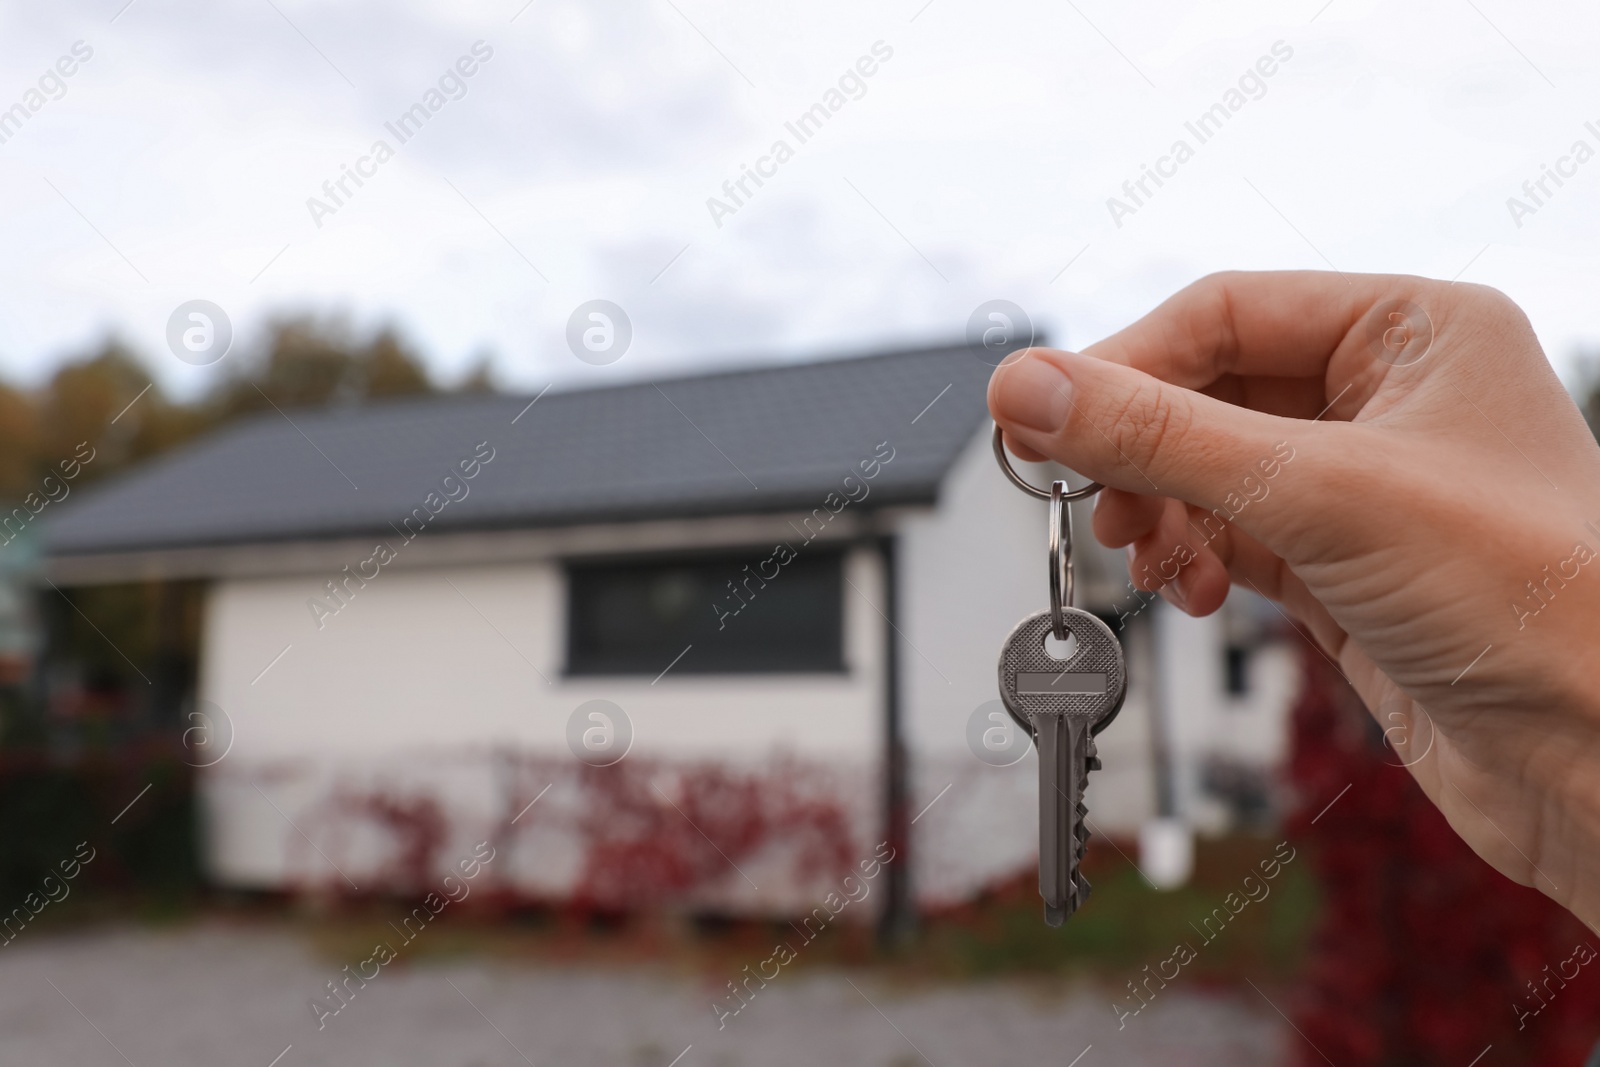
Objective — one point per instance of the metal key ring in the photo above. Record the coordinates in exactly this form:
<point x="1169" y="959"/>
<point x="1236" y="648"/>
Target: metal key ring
<point x="1060" y="558"/>
<point x="1032" y="490"/>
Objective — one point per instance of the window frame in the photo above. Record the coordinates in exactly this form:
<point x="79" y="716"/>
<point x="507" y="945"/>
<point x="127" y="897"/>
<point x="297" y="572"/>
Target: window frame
<point x="743" y="553"/>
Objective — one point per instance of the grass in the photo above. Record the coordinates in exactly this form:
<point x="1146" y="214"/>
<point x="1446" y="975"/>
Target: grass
<point x="1125" y="925"/>
<point x="1001" y="935"/>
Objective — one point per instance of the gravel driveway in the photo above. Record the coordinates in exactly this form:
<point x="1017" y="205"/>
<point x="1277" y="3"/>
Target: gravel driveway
<point x="214" y="995"/>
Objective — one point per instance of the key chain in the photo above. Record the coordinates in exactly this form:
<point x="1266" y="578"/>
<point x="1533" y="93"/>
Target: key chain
<point x="1061" y="703"/>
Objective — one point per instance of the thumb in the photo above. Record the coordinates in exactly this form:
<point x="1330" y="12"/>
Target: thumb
<point x="1129" y="430"/>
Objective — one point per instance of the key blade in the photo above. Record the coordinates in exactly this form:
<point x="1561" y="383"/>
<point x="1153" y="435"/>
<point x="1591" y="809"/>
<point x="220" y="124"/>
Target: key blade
<point x="1057" y="802"/>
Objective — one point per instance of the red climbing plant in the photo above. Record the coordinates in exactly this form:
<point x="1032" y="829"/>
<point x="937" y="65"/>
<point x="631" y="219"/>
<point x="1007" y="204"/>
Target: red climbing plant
<point x="654" y="835"/>
<point x="651" y="833"/>
<point x="1424" y="954"/>
<point x="415" y="824"/>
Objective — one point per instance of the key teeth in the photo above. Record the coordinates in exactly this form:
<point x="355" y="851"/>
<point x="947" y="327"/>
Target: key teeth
<point x="1080" y="885"/>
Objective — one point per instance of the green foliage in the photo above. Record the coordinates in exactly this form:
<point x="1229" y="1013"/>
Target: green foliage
<point x="1001" y="935"/>
<point x="86" y="733"/>
<point x="129" y="648"/>
<point x="310" y="364"/>
<point x="47" y="810"/>
<point x="303" y="362"/>
<point x="1128" y="924"/>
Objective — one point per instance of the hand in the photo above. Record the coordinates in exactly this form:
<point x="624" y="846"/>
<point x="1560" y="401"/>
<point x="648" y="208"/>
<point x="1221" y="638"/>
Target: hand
<point x="1393" y="461"/>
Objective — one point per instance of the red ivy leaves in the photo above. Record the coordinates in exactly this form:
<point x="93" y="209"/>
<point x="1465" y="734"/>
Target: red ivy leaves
<point x="1423" y="952"/>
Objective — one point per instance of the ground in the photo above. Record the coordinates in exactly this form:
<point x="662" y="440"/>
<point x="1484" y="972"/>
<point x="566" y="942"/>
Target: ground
<point x="218" y="993"/>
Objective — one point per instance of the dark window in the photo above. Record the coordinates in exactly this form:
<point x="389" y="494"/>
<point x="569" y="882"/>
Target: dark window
<point x="1237" y="666"/>
<point x="636" y="616"/>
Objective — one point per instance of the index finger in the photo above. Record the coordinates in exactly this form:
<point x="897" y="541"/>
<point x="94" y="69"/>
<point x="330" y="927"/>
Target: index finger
<point x="1281" y="324"/>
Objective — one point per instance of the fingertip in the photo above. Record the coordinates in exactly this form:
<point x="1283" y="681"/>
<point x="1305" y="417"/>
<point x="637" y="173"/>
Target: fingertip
<point x="1206" y="584"/>
<point x="1023" y="452"/>
<point x="1191" y="578"/>
<point x="1030" y="391"/>
<point x="1122" y="517"/>
<point x="1199" y="588"/>
<point x="997" y="408"/>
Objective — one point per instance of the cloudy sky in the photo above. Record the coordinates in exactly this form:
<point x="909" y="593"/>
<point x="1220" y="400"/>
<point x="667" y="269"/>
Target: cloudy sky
<point x="177" y="160"/>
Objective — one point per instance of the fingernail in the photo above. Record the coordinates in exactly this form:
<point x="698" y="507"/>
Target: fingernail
<point x="1034" y="393"/>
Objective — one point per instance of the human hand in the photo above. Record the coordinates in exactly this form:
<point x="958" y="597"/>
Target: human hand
<point x="1393" y="461"/>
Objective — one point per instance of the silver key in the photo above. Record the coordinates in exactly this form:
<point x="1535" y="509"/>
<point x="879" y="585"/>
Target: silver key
<point x="1062" y="704"/>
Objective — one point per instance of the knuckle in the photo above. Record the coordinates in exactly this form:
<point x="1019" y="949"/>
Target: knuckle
<point x="1208" y="297"/>
<point x="1485" y="308"/>
<point x="1471" y="298"/>
<point x="1209" y="323"/>
<point x="1501" y="307"/>
<point x="1217" y="281"/>
<point x="1144" y="423"/>
<point x="1486" y="296"/>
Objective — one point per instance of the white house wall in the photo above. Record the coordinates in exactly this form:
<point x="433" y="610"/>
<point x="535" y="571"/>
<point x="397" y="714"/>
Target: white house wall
<point x="445" y="684"/>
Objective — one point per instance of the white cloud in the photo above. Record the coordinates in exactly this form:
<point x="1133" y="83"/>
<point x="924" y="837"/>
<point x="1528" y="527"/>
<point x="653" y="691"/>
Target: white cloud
<point x="590" y="142"/>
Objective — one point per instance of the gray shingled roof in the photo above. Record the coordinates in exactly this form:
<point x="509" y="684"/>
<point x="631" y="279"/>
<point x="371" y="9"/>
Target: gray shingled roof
<point x="767" y="439"/>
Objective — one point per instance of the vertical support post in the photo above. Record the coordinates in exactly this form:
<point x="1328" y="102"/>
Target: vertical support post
<point x="898" y="919"/>
<point x="1161" y="759"/>
<point x="171" y="690"/>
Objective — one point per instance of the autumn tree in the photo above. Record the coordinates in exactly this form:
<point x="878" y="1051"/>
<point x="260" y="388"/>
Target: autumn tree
<point x="307" y="363"/>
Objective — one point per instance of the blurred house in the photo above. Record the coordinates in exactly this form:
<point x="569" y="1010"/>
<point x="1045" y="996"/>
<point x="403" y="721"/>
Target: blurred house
<point x="788" y="586"/>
